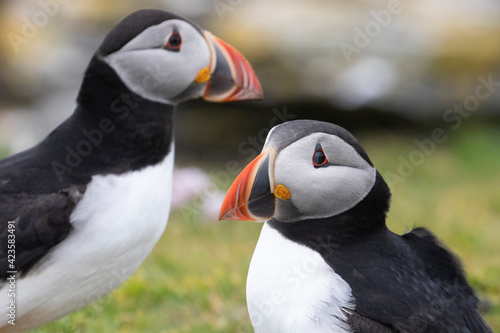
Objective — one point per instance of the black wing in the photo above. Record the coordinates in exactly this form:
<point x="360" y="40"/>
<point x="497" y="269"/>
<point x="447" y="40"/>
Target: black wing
<point x="407" y="283"/>
<point x="31" y="224"/>
<point x="362" y="324"/>
<point x="442" y="265"/>
<point x="35" y="206"/>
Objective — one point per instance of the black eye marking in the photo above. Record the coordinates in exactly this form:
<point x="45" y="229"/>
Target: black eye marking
<point x="174" y="42"/>
<point x="319" y="158"/>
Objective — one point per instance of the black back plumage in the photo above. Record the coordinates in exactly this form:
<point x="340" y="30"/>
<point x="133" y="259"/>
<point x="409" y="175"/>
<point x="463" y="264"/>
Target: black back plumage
<point x="39" y="189"/>
<point x="408" y="283"/>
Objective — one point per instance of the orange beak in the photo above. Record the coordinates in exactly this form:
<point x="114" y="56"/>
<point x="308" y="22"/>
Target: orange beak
<point x="250" y="197"/>
<point x="232" y="78"/>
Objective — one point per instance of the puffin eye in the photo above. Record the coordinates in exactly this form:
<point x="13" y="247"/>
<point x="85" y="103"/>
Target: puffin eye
<point x="174" y="42"/>
<point x="319" y="158"/>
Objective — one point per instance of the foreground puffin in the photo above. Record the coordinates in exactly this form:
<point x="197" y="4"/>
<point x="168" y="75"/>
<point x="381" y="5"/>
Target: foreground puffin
<point x="81" y="210"/>
<point x="326" y="261"/>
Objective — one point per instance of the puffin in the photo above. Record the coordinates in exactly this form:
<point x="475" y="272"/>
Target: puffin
<point x="82" y="209"/>
<point x="325" y="260"/>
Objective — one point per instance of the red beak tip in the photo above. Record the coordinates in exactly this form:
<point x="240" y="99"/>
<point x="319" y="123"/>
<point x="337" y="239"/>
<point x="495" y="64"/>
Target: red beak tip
<point x="256" y="94"/>
<point x="222" y="216"/>
<point x="246" y="95"/>
<point x="246" y="83"/>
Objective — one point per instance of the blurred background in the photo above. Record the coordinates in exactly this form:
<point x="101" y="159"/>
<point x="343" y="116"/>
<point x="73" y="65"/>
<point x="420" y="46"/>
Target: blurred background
<point x="417" y="82"/>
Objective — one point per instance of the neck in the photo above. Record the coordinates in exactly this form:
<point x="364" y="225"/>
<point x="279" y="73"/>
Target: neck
<point x="365" y="219"/>
<point x="122" y="131"/>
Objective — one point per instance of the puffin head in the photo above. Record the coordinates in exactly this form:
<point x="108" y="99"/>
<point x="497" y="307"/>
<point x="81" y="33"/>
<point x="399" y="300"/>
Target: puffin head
<point x="307" y="170"/>
<point x="165" y="58"/>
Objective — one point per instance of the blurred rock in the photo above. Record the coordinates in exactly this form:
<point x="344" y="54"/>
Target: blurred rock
<point x="415" y="58"/>
<point x="433" y="50"/>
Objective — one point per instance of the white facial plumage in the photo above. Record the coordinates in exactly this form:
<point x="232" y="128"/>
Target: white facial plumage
<point x="159" y="74"/>
<point x="319" y="192"/>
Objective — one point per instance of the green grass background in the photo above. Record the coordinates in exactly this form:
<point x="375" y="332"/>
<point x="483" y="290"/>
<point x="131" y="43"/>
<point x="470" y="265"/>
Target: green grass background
<point x="194" y="280"/>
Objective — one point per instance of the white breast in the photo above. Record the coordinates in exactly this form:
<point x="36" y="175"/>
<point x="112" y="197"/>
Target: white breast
<point x="116" y="225"/>
<point x="290" y="289"/>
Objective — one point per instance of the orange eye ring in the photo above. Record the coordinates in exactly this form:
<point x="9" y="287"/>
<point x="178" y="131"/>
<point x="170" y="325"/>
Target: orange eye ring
<point x="174" y="42"/>
<point x="319" y="158"/>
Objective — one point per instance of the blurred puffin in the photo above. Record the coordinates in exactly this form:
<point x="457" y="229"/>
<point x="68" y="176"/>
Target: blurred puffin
<point x="82" y="209"/>
<point x="326" y="261"/>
